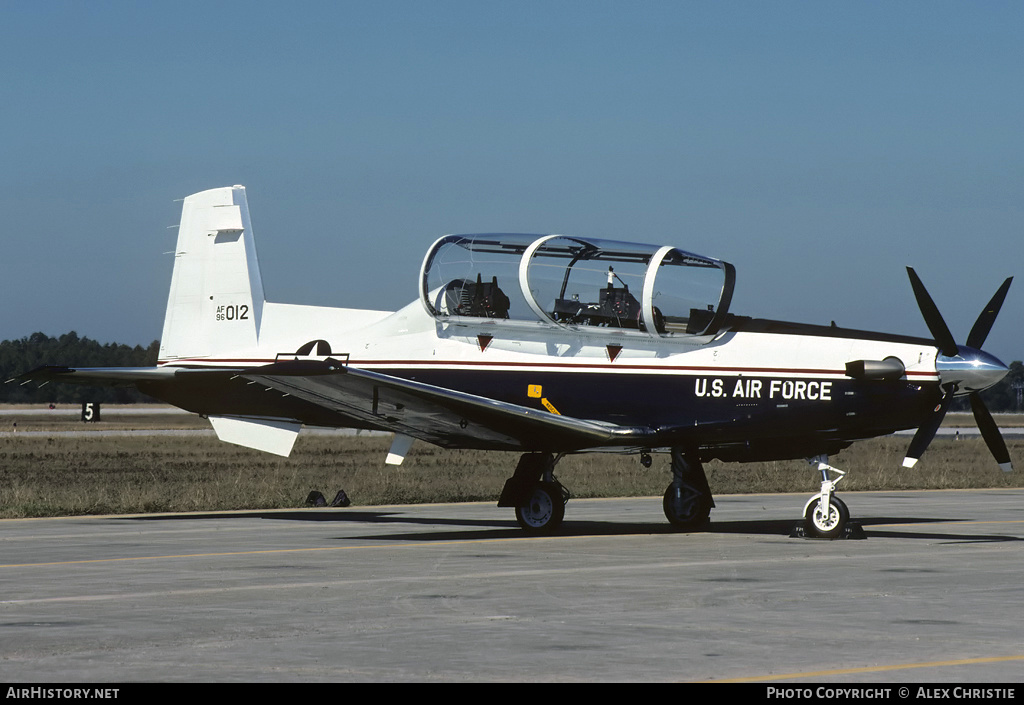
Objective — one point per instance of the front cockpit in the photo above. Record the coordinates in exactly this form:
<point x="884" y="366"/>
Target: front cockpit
<point x="576" y="283"/>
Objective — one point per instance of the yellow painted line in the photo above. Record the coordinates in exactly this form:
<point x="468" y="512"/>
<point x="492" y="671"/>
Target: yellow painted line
<point x="872" y="669"/>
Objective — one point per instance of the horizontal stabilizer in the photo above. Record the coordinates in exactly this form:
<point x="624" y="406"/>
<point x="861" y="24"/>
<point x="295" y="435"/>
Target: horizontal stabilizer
<point x="96" y="375"/>
<point x="275" y="436"/>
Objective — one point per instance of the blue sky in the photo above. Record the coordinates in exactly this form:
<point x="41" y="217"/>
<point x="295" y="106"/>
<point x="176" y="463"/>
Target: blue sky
<point x="819" y="146"/>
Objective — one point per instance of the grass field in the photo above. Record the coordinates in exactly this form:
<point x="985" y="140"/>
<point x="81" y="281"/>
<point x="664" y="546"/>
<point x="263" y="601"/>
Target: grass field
<point x="46" y="475"/>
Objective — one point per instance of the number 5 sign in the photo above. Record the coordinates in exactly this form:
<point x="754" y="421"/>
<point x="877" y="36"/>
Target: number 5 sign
<point x="90" y="411"/>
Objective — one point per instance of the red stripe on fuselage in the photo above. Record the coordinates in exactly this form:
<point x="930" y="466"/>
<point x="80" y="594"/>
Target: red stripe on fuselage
<point x="373" y="364"/>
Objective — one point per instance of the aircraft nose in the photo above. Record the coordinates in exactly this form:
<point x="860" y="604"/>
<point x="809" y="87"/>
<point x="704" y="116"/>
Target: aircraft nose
<point x="970" y="370"/>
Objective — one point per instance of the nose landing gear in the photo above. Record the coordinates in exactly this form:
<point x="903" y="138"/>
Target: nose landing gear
<point x="826" y="516"/>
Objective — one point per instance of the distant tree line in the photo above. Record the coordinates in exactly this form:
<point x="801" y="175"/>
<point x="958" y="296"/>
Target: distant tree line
<point x="20" y="356"/>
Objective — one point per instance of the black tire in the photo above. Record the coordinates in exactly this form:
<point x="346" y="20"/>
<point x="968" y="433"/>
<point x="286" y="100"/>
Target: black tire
<point x="842" y="506"/>
<point x="544" y="509"/>
<point x="830" y="524"/>
<point x="687" y="511"/>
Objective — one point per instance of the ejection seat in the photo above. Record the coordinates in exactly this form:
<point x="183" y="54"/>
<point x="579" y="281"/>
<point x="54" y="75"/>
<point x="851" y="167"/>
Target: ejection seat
<point x="479" y="299"/>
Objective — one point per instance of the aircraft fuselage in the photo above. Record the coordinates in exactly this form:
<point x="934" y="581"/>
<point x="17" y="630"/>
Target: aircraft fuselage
<point x="748" y="394"/>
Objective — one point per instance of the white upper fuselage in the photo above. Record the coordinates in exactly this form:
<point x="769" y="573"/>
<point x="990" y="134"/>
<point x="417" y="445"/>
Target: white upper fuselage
<point x="411" y="339"/>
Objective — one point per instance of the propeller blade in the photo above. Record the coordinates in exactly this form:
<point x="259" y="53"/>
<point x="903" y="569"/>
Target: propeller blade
<point x="983" y="325"/>
<point x="926" y="433"/>
<point x="932" y="317"/>
<point x="990" y="432"/>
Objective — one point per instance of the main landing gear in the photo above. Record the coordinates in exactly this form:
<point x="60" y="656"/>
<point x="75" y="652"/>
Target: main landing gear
<point x="826" y="515"/>
<point x="539" y="499"/>
<point x="688" y="501"/>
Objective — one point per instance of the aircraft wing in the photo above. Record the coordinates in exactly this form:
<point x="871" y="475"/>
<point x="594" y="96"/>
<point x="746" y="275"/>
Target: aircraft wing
<point x="445" y="417"/>
<point x="367" y="399"/>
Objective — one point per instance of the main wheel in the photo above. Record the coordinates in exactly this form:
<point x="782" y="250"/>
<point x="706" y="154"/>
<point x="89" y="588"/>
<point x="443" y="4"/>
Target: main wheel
<point x="687" y="510"/>
<point x="543" y="510"/>
<point x="827" y="522"/>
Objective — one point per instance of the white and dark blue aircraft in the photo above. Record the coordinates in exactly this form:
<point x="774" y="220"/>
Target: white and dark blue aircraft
<point x="548" y="345"/>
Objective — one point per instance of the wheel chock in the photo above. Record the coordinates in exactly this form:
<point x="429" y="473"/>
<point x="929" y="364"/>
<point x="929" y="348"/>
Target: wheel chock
<point x="316" y="499"/>
<point x="853" y="531"/>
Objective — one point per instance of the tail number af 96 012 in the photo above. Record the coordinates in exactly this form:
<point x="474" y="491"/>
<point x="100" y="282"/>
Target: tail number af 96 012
<point x="233" y="312"/>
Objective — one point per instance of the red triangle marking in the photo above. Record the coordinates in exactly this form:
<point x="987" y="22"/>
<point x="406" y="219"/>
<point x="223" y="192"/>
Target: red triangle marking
<point x="613" y="352"/>
<point x="484" y="341"/>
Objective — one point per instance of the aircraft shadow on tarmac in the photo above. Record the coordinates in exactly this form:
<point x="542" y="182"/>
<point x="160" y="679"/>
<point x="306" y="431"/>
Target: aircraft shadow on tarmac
<point x="478" y="529"/>
<point x="772" y="527"/>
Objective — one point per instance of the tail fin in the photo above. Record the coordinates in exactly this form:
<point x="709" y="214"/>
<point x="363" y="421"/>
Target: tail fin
<point x="216" y="300"/>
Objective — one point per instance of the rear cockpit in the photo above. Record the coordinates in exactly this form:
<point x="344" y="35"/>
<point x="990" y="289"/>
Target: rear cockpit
<point x="576" y="283"/>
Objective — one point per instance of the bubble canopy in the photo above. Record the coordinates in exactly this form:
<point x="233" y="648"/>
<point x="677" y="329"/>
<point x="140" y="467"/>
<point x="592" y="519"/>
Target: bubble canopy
<point x="576" y="282"/>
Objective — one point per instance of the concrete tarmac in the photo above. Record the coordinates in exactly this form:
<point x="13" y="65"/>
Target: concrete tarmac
<point x="458" y="593"/>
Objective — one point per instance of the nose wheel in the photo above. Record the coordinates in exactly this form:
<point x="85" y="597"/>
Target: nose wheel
<point x="826" y="515"/>
<point x="827" y="519"/>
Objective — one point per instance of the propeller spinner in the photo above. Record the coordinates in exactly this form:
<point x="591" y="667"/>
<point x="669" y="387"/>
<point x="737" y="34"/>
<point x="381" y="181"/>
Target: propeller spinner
<point x="963" y="369"/>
